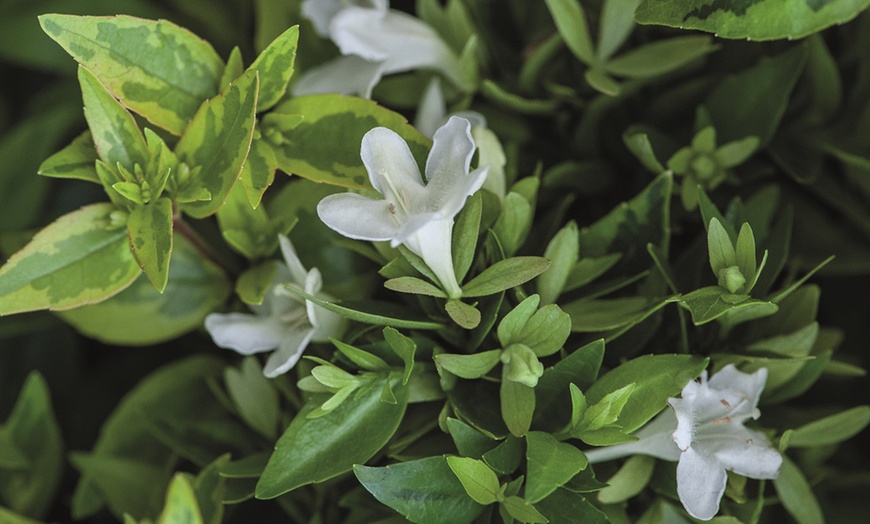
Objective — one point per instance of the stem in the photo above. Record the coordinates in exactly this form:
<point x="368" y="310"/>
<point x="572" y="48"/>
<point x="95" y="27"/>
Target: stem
<point x="182" y="228"/>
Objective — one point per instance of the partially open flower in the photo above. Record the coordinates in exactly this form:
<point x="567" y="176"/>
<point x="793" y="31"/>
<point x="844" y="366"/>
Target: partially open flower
<point x="283" y="322"/>
<point x="412" y="213"/>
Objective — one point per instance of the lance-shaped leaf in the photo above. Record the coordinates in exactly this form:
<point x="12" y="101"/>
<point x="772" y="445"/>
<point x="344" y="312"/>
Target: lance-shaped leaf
<point x="79" y="259"/>
<point x="157" y="69"/>
<point x="116" y="136"/>
<point x="550" y="464"/>
<point x="275" y="66"/>
<point x="217" y="142"/>
<point x="755" y="19"/>
<point x="325" y="145"/>
<point x="150" y="229"/>
<point x="505" y="274"/>
<point x="74" y="161"/>
<point x="259" y="171"/>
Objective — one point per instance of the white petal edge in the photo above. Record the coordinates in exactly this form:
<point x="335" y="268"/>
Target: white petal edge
<point x="701" y="482"/>
<point x="346" y="75"/>
<point x="243" y="333"/>
<point x="297" y="270"/>
<point x="288" y="353"/>
<point x="390" y="165"/>
<point x="358" y="217"/>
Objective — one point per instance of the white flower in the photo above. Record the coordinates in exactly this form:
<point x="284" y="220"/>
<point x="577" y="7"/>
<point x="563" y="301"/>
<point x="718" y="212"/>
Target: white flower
<point x="707" y="438"/>
<point x="412" y="213"/>
<point x="381" y="40"/>
<point x="283" y="321"/>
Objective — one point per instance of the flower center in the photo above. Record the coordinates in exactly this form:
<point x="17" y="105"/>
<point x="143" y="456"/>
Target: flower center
<point x="399" y="195"/>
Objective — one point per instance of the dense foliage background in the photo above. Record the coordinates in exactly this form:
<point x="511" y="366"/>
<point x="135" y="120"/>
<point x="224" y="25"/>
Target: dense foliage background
<point x="590" y="137"/>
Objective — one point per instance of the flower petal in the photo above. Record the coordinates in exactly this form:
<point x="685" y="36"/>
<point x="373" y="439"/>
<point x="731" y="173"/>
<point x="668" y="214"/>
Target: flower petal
<point x="701" y="482"/>
<point x="289" y="352"/>
<point x="448" y="181"/>
<point x="749" y="384"/>
<point x="685" y="431"/>
<point x="654" y="439"/>
<point x="752" y="457"/>
<point x="432" y="109"/>
<point x="321" y="13"/>
<point x="297" y="270"/>
<point x="400" y="40"/>
<point x="392" y="169"/>
<point x="358" y="217"/>
<point x="246" y="334"/>
<point x="346" y="75"/>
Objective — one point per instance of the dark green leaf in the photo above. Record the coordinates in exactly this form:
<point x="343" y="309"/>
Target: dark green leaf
<point x="659" y="57"/>
<point x="550" y="464"/>
<point x="523" y="511"/>
<point x="254" y="397"/>
<point x="317" y="449"/>
<point x="469" y="441"/>
<point x="570" y="508"/>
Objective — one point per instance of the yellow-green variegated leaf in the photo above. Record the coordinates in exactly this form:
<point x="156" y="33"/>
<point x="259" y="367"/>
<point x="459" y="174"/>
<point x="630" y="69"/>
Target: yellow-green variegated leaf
<point x="752" y="19"/>
<point x="157" y="69"/>
<point x="74" y="161"/>
<point x="82" y="258"/>
<point x="324" y="146"/>
<point x="275" y="66"/>
<point x="259" y="171"/>
<point x="116" y="136"/>
<point x="150" y="229"/>
<point x="140" y="315"/>
<point x="217" y="142"/>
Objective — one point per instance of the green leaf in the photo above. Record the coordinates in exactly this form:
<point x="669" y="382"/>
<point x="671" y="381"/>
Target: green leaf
<point x="796" y="495"/>
<point x="616" y="24"/>
<point x="404" y="347"/>
<point x="258" y="173"/>
<point x="659" y="57"/>
<point x="480" y="482"/>
<point x="588" y="269"/>
<point x="745" y="254"/>
<point x="719" y="246"/>
<point x="550" y="464"/>
<point x="832" y="429"/>
<point x="465" y="233"/>
<point x="128" y="486"/>
<point x="317" y="449"/>
<point x="517" y="405"/>
<point x="504" y="275"/>
<point x="324" y="147"/>
<point x="235" y="68"/>
<point x="546" y="332"/>
<point x="590" y="316"/>
<point x="506" y="457"/>
<point x="512" y="325"/>
<point x="117" y="138"/>
<point x="763" y="91"/>
<point x="655" y="379"/>
<point x="469" y="441"/>
<point x="602" y="82"/>
<point x="79" y="259"/>
<point x="707" y="304"/>
<point x="629" y="480"/>
<point x="523" y="511"/>
<point x="181" y="506"/>
<point x="157" y="69"/>
<point x="74" y="161"/>
<point x="566" y="507"/>
<point x="210" y="488"/>
<point x="755" y="20"/>
<point x="150" y="230"/>
<point x="552" y="392"/>
<point x="254" y="397"/>
<point x="33" y="430"/>
<point x="414" y="286"/>
<point x="9" y="517"/>
<point x="139" y="315"/>
<point x="640" y="146"/>
<point x="562" y="252"/>
<point x="217" y="142"/>
<point x="606" y="411"/>
<point x="571" y="23"/>
<point x="275" y="68"/>
<point x="377" y="313"/>
<point x="247" y="230"/>
<point x="514" y="223"/>
<point x="425" y="490"/>
<point x="363" y="359"/>
<point x="469" y="366"/>
<point x="465" y="315"/>
<point x="254" y="282"/>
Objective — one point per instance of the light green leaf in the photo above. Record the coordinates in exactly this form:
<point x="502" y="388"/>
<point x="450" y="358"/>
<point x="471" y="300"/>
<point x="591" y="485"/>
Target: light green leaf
<point x="275" y="68"/>
<point x="523" y="511"/>
<point x="79" y="259"/>
<point x="157" y="69"/>
<point x="550" y="464"/>
<point x="465" y="315"/>
<point x="254" y="397"/>
<point x="599" y="80"/>
<point x="745" y="254"/>
<point x="589" y="316"/>
<point x="247" y="230"/>
<point x="517" y="405"/>
<point x="469" y="366"/>
<point x="255" y="281"/>
<point x="640" y="146"/>
<point x="588" y="269"/>
<point x="415" y="286"/>
<point x="128" y="486"/>
<point x="832" y="429"/>
<point x="258" y="172"/>
<point x="150" y="230"/>
<point x="707" y="304"/>
<point x="210" y="488"/>
<point x="504" y="275"/>
<point x="117" y="138"/>
<point x="796" y="494"/>
<point x="629" y="480"/>
<point x="33" y="430"/>
<point x="74" y="161"/>
<point x="217" y="142"/>
<point x="659" y="57"/>
<point x="511" y="326"/>
<point x="181" y="506"/>
<point x="9" y="517"/>
<point x="404" y="347"/>
<point x="655" y="379"/>
<point x="722" y="254"/>
<point x="546" y="332"/>
<point x="606" y="411"/>
<point x="465" y="233"/>
<point x="324" y="146"/>
<point x="755" y="20"/>
<point x="139" y="315"/>
<point x="235" y="68"/>
<point x="363" y="359"/>
<point x="425" y="491"/>
<point x="317" y="449"/>
<point x="562" y="251"/>
<point x="571" y="23"/>
<point x="480" y="482"/>
<point x="512" y="226"/>
<point x="617" y="22"/>
<point x="369" y="312"/>
<point x="552" y="392"/>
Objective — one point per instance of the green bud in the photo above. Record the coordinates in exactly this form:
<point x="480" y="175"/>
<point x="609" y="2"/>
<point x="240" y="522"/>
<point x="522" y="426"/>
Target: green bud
<point x="118" y="219"/>
<point x="522" y="364"/>
<point x="732" y="279"/>
<point x="704" y="166"/>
